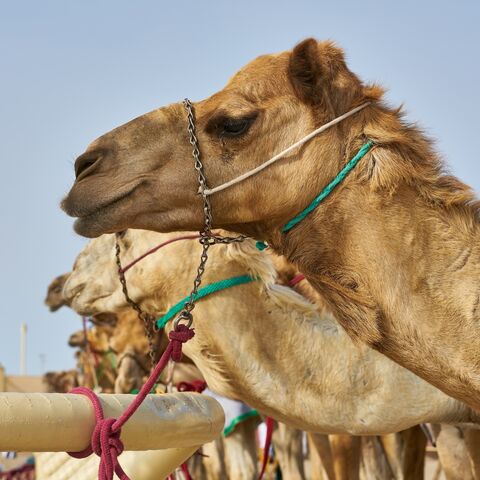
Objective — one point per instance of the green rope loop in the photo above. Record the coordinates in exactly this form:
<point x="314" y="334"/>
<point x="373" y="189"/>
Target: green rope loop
<point x="203" y="292"/>
<point x="241" y="418"/>
<point x="328" y="189"/>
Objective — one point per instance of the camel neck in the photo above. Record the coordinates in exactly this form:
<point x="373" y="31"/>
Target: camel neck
<point x="400" y="275"/>
<point x="241" y="350"/>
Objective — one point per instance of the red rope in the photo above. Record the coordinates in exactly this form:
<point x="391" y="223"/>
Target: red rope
<point x="269" y="422"/>
<point x="105" y="440"/>
<point x="158" y="247"/>
<point x="296" y="279"/>
<point x="195" y="386"/>
<point x="185" y="471"/>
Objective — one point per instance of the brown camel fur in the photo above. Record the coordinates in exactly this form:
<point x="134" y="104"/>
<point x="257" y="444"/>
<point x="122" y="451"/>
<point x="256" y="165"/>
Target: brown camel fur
<point x="318" y="364"/>
<point x="394" y="250"/>
<point x="400" y="450"/>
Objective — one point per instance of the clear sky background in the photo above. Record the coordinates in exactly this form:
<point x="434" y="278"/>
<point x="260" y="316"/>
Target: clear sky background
<point x="72" y="70"/>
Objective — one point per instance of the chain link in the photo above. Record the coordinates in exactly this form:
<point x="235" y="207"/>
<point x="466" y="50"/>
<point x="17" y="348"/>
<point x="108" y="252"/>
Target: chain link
<point x="207" y="238"/>
<point x="147" y="320"/>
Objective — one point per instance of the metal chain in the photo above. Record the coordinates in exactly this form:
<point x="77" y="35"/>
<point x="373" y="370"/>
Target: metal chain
<point x="147" y="320"/>
<point x="207" y="238"/>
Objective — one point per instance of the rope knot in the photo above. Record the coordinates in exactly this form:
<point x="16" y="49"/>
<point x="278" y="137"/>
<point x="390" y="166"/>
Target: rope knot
<point x="177" y="337"/>
<point x="105" y="439"/>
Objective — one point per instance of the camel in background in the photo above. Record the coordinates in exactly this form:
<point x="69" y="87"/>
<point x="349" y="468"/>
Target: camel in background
<point x="394" y="250"/>
<point x="61" y="382"/>
<point x="55" y="299"/>
<point x="267" y="371"/>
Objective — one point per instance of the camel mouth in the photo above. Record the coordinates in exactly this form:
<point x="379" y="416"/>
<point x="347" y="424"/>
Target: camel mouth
<point x="53" y="308"/>
<point x="93" y="217"/>
<point x="75" y="207"/>
<point x="82" y="308"/>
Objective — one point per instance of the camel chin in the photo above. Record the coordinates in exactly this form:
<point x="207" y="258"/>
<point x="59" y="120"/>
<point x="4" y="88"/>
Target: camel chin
<point x="89" y="228"/>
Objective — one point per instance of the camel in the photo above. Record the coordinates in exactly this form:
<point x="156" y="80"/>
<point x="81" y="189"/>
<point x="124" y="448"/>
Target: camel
<point x="54" y="299"/>
<point x="61" y="382"/>
<point x="397" y="453"/>
<point x="394" y="249"/>
<point x="95" y="359"/>
<point x="263" y="343"/>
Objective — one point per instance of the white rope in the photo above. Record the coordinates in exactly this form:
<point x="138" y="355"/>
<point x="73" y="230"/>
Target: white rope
<point x="280" y="155"/>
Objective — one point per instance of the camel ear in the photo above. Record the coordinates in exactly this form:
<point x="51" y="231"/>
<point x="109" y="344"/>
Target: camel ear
<point x="320" y="77"/>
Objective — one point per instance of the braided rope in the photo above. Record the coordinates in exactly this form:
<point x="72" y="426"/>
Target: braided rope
<point x="203" y="292"/>
<point x="278" y="156"/>
<point x="105" y="440"/>
<point x="329" y="188"/>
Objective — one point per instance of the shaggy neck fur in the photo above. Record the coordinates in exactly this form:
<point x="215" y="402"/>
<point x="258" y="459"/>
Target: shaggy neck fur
<point x="395" y="251"/>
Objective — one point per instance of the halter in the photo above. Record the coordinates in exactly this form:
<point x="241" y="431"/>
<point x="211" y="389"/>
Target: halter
<point x="205" y="192"/>
<point x="282" y="154"/>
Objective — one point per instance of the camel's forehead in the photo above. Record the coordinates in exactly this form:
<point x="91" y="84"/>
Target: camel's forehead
<point x="261" y="77"/>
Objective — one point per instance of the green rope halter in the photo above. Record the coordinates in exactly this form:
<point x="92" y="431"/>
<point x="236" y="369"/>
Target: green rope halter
<point x="325" y="192"/>
<point x="203" y="292"/>
<point x="329" y="188"/>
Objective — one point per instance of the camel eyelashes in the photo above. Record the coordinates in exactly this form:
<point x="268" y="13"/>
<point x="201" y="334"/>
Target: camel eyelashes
<point x="231" y="127"/>
<point x="234" y="128"/>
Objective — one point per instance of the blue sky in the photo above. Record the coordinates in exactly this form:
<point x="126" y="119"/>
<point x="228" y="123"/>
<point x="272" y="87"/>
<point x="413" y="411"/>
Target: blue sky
<point x="70" y="71"/>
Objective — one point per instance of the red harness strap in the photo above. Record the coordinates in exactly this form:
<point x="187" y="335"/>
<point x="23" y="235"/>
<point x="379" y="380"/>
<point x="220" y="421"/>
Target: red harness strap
<point x="158" y="247"/>
<point x="269" y="422"/>
<point x="296" y="279"/>
<point x="106" y="442"/>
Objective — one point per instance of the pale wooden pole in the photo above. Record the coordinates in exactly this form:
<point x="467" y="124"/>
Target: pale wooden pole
<point x="23" y="349"/>
<point x="175" y="425"/>
<point x="3" y="379"/>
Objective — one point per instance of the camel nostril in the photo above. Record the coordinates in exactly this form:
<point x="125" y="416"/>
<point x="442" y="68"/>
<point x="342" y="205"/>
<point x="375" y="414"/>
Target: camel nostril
<point x="85" y="161"/>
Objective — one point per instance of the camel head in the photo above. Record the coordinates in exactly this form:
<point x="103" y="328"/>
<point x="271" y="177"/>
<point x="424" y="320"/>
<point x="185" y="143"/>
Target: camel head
<point x="94" y="288"/>
<point x="77" y="339"/>
<point x="141" y="174"/>
<point x="61" y="382"/>
<point x="130" y="372"/>
<point x="98" y="338"/>
<point x="55" y="299"/>
<point x="95" y="260"/>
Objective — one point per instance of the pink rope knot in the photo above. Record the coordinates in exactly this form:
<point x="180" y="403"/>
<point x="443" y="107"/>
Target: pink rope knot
<point x="105" y="440"/>
<point x="177" y="337"/>
<point x="107" y="445"/>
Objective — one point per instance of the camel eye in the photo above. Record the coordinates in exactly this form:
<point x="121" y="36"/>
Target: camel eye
<point x="231" y="127"/>
<point x="235" y="127"/>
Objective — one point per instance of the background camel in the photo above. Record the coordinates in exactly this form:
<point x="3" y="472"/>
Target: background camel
<point x="394" y="250"/>
<point x="237" y="362"/>
<point x="55" y="299"/>
<point x="61" y="382"/>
